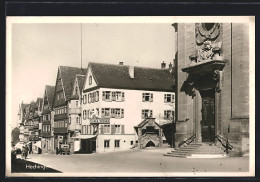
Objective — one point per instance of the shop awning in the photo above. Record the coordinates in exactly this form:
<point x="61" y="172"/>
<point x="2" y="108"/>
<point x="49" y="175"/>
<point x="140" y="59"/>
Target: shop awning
<point x="38" y="144"/>
<point x="84" y="136"/>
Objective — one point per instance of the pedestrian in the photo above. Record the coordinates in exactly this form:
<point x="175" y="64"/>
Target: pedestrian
<point x="23" y="152"/>
<point x="26" y="151"/>
<point x="57" y="150"/>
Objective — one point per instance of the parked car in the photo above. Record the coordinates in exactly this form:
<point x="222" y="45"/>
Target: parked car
<point x="64" y="149"/>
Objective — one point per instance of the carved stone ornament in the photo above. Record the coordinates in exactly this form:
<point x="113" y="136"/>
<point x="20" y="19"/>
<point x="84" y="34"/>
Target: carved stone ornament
<point x="207" y="40"/>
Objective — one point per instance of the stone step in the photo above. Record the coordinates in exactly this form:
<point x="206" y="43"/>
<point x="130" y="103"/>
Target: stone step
<point x="197" y="150"/>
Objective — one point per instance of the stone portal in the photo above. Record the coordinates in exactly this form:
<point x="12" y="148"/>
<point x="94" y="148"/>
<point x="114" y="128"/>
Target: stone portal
<point x="149" y="133"/>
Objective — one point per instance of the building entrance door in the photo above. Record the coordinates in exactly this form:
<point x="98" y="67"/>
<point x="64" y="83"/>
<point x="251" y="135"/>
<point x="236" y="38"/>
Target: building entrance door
<point x="208" y="116"/>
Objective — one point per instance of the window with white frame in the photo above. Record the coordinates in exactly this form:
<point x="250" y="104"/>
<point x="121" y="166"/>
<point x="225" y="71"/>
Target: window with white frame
<point x="117" y="143"/>
<point x="168" y="98"/>
<point x="106" y="129"/>
<point x="147" y="97"/>
<point x="84" y="99"/>
<point x="107" y="96"/>
<point x="84" y="114"/>
<point x="106" y="112"/>
<point x="168" y="114"/>
<point x="117" y="128"/>
<point x="106" y="143"/>
<point x="147" y="113"/>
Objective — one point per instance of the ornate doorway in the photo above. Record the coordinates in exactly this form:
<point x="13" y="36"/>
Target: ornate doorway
<point x="208" y="115"/>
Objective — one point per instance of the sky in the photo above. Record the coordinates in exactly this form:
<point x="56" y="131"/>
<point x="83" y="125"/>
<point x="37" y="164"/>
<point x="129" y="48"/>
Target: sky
<point x="37" y="49"/>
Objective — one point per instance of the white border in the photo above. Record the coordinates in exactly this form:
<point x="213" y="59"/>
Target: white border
<point x="134" y="19"/>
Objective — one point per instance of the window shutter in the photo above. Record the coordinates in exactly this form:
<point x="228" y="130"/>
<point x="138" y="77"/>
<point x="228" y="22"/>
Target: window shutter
<point x="113" y="129"/>
<point x="104" y="95"/>
<point x="172" y="99"/>
<point x="151" y="98"/>
<point x="122" y="129"/>
<point x="113" y="96"/>
<point x="101" y="129"/>
<point x="151" y="113"/>
<point x="122" y="113"/>
<point x="143" y="97"/>
<point x="165" y="98"/>
<point x="113" y="113"/>
<point x="97" y="96"/>
<point x="123" y="96"/>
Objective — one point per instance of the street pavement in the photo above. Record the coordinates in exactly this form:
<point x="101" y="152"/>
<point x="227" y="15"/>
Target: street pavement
<point x="138" y="161"/>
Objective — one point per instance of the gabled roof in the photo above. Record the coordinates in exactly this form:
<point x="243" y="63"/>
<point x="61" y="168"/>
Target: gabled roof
<point x="117" y="76"/>
<point x="68" y="75"/>
<point x="81" y="81"/>
<point x="50" y="94"/>
<point x="140" y="125"/>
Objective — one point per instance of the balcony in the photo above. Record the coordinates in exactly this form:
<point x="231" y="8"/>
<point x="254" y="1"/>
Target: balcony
<point x="60" y="130"/>
<point x="60" y="116"/>
<point x="74" y="127"/>
<point x="75" y="110"/>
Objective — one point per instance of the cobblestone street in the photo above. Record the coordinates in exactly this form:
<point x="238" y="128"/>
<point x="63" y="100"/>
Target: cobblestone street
<point x="138" y="161"/>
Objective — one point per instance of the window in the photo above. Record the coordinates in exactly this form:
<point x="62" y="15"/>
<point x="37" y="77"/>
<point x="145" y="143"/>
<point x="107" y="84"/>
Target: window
<point x="107" y="128"/>
<point x="168" y="98"/>
<point x="117" y="143"/>
<point x="107" y="95"/>
<point x="77" y="103"/>
<point x="84" y="114"/>
<point x="147" y="97"/>
<point x="150" y="129"/>
<point x="117" y="128"/>
<point x="106" y="112"/>
<point x="106" y="143"/>
<point x="147" y="113"/>
<point x="76" y="90"/>
<point x="90" y="80"/>
<point x="168" y="114"/>
<point x="132" y="142"/>
<point x="117" y="113"/>
<point x="77" y="120"/>
<point x="83" y="129"/>
<point x="84" y="99"/>
<point x="70" y="120"/>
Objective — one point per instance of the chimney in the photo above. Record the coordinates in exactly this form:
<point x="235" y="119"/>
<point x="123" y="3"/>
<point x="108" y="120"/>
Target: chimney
<point x="170" y="67"/>
<point x="121" y="63"/>
<point x="131" y="71"/>
<point x="163" y="65"/>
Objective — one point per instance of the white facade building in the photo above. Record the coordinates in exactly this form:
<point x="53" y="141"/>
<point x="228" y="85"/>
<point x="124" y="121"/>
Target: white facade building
<point x="120" y="97"/>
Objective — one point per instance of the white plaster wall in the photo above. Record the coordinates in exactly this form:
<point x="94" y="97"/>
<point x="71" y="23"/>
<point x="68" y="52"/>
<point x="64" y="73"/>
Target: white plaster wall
<point x="125" y="142"/>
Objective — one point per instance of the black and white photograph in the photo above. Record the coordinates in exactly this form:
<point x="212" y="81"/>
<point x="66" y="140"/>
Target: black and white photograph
<point x="160" y="96"/>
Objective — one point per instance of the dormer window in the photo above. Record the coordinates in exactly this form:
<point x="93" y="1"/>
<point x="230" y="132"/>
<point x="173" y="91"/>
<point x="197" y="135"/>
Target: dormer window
<point x="90" y="80"/>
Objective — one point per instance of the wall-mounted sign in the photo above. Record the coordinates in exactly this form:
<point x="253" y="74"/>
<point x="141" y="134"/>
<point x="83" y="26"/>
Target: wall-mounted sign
<point x="100" y="121"/>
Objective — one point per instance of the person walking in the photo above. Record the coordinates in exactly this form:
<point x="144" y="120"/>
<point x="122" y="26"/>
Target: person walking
<point x="57" y="150"/>
<point x="26" y="151"/>
<point x="23" y="152"/>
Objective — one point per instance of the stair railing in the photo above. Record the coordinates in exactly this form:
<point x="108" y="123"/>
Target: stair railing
<point x="188" y="141"/>
<point x="224" y="142"/>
